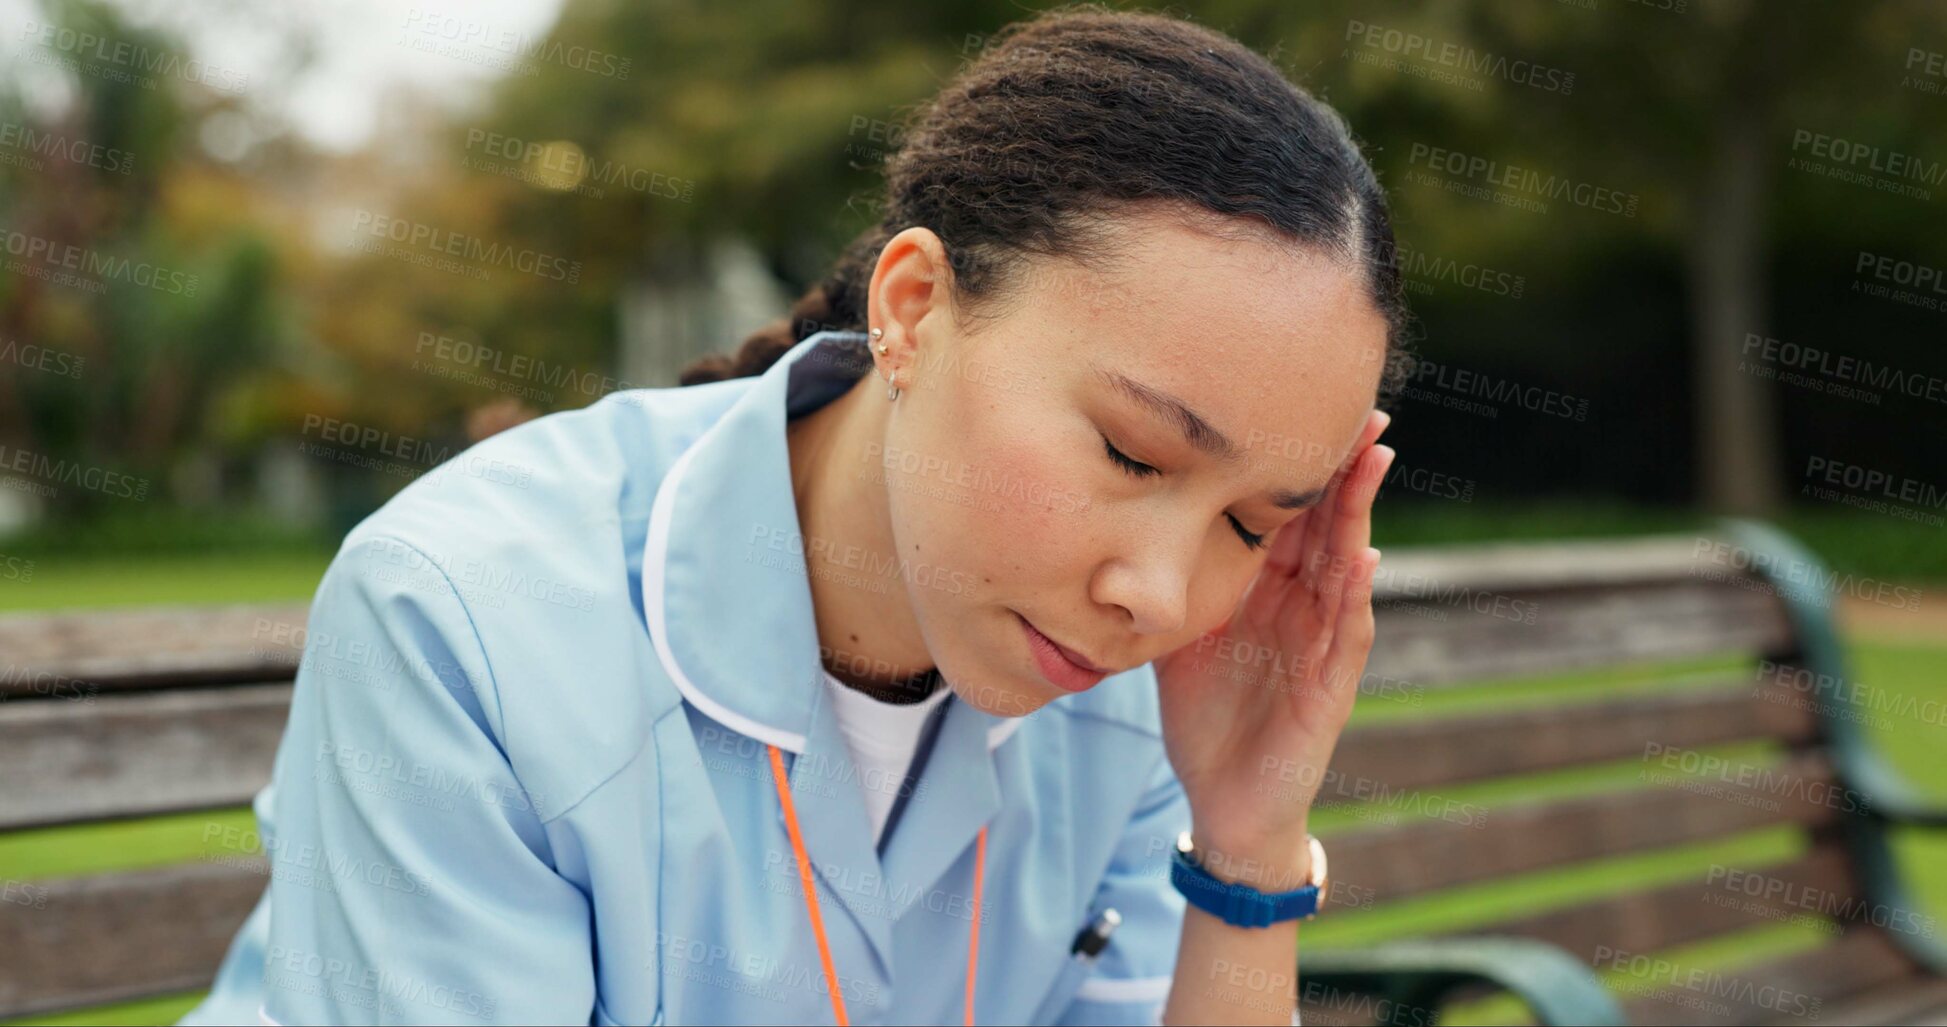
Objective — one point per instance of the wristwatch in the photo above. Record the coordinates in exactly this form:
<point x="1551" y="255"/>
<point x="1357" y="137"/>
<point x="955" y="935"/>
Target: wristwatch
<point x="1239" y="904"/>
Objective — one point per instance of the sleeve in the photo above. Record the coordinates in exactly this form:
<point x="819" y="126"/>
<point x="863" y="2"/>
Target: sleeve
<point x="1130" y="982"/>
<point x="432" y="896"/>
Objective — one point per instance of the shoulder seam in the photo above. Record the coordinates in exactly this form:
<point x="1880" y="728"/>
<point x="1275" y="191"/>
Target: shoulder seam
<point x="635" y="755"/>
<point x="486" y="662"/>
<point x="458" y="600"/>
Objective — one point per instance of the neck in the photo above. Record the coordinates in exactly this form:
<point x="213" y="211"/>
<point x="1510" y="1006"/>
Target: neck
<point x="867" y="636"/>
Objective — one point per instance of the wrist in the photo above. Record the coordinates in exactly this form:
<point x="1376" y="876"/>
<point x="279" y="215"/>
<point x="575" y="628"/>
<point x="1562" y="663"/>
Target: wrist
<point x="1268" y="863"/>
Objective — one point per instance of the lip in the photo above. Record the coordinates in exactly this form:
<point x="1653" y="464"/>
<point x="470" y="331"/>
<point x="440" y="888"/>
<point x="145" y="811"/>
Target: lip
<point x="1061" y="666"/>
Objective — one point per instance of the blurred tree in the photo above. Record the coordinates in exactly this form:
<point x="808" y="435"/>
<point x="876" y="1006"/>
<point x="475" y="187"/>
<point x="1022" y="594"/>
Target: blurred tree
<point x="1684" y="102"/>
<point x="1703" y="100"/>
<point x="176" y="297"/>
<point x="782" y="113"/>
<point x="769" y="122"/>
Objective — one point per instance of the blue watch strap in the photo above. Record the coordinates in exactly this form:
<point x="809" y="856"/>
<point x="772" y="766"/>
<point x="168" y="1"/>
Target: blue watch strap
<point x="1238" y="904"/>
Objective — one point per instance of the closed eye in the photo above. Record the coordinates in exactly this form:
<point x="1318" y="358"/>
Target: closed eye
<point x="1138" y="469"/>
<point x="1255" y="541"/>
<point x="1122" y="460"/>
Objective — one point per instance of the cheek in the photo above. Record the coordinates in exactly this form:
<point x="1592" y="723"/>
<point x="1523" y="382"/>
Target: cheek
<point x="1041" y="505"/>
<point x="1005" y="498"/>
<point x="1214" y="594"/>
<point x="1046" y="511"/>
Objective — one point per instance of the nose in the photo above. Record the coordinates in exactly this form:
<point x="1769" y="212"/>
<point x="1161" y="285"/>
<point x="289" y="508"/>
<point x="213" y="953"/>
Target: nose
<point x="1152" y="583"/>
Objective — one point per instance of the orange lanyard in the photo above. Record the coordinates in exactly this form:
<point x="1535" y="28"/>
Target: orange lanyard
<point x="818" y="921"/>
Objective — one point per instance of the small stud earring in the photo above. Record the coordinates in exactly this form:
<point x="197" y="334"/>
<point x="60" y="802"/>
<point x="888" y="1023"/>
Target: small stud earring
<point x="892" y="380"/>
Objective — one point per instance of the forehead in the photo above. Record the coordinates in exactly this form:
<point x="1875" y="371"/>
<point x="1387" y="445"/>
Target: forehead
<point x="1277" y="345"/>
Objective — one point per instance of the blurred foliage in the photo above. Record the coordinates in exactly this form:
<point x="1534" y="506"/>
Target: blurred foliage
<point x="123" y="534"/>
<point x="190" y="304"/>
<point x="769" y="120"/>
<point x="782" y="112"/>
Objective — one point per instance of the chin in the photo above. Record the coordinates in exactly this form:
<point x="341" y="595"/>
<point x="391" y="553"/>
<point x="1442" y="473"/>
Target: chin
<point x="1011" y="704"/>
<point x="1001" y="700"/>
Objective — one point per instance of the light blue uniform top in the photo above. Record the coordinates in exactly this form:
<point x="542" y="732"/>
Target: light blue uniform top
<point x="525" y="777"/>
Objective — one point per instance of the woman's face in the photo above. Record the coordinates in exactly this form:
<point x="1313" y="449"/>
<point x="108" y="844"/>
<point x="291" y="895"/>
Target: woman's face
<point x="1239" y="370"/>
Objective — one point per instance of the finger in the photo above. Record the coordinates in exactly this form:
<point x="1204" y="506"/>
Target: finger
<point x="1320" y="615"/>
<point x="1352" y="518"/>
<point x="1318" y="529"/>
<point x="1352" y="529"/>
<point x="1320" y="670"/>
<point x="1376" y="424"/>
<point x="1296" y="551"/>
<point x="1266" y="595"/>
<point x="1287" y="550"/>
<point x="1352" y="635"/>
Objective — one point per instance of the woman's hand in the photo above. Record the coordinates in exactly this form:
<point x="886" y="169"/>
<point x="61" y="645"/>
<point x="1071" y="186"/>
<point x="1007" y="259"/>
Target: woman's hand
<point x="1252" y="710"/>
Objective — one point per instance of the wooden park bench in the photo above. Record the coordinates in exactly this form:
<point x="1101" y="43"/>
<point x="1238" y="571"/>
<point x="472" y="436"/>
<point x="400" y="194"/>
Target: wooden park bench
<point x="125" y="714"/>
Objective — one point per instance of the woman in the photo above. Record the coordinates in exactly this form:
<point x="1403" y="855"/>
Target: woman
<point x="1034" y="538"/>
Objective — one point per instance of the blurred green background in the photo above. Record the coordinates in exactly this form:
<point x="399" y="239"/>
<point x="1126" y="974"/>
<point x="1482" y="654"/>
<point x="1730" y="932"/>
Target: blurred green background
<point x="716" y="174"/>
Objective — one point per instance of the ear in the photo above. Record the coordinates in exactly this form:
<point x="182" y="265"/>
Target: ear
<point x="911" y="282"/>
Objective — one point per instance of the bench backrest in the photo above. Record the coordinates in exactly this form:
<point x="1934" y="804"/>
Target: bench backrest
<point x="1661" y="723"/>
<point x="123" y="714"/>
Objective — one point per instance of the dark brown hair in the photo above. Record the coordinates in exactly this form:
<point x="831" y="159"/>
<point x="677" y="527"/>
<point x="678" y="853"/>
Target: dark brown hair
<point x="1069" y="117"/>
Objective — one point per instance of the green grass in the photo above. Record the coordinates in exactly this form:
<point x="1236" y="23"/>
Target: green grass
<point x="1471" y="906"/>
<point x="160" y="1009"/>
<point x="101" y="848"/>
<point x="61" y="582"/>
<point x="1899" y="667"/>
<point x="1406" y="704"/>
<point x="1918" y="671"/>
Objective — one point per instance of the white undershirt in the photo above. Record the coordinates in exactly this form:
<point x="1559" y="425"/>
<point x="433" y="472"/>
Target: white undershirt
<point x="882" y="738"/>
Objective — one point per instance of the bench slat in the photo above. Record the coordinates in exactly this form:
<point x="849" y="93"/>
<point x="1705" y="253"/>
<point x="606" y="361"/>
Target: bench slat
<point x="1447" y="613"/>
<point x="1485" y="636"/>
<point x="1469" y="845"/>
<point x="1917" y="1000"/>
<point x="1860" y="962"/>
<point x="1530" y="566"/>
<point x="48" y="654"/>
<point x="1677" y="914"/>
<point x="137" y="753"/>
<point x="114" y="937"/>
<point x="1422" y="753"/>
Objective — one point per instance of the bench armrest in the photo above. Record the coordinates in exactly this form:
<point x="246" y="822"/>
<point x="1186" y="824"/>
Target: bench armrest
<point x="1803" y="584"/>
<point x="1893" y="799"/>
<point x="1418" y="973"/>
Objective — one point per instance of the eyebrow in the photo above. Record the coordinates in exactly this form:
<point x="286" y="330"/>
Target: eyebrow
<point x="1198" y="432"/>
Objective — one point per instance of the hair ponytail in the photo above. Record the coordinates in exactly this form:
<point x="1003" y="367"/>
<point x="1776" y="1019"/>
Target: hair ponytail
<point x="836" y="304"/>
